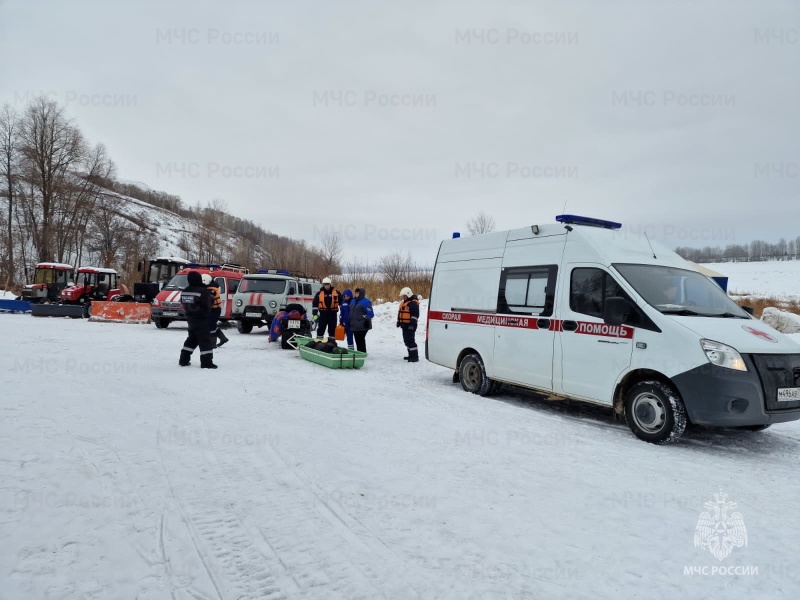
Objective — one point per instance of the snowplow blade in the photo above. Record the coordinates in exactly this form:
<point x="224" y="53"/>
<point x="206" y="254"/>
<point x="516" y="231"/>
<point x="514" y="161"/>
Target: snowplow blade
<point x="15" y="306"/>
<point x="121" y="312"/>
<point x="57" y="310"/>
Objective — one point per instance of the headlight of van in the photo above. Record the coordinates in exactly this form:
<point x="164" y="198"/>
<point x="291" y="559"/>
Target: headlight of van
<point x="239" y="302"/>
<point x="272" y="304"/>
<point x="723" y="356"/>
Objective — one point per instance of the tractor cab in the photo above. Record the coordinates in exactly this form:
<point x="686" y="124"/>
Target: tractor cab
<point x="49" y="280"/>
<point x="92" y="283"/>
<point x="156" y="273"/>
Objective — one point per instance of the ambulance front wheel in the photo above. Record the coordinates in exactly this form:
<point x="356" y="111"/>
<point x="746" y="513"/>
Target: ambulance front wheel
<point x="655" y="413"/>
<point x="472" y="374"/>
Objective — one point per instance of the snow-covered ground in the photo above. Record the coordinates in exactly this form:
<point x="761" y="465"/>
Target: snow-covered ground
<point x="123" y="475"/>
<point x="4" y="295"/>
<point x="776" y="278"/>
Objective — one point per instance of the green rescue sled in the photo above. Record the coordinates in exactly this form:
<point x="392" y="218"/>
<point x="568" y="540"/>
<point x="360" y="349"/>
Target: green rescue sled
<point x="349" y="359"/>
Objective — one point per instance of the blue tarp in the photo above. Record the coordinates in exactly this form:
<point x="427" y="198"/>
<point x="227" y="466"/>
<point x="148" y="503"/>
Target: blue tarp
<point x="15" y="306"/>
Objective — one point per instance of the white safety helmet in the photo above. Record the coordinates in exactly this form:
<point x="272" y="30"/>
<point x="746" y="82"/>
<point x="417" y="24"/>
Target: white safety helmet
<point x="206" y="278"/>
<point x="406" y="291"/>
<point x="326" y="280"/>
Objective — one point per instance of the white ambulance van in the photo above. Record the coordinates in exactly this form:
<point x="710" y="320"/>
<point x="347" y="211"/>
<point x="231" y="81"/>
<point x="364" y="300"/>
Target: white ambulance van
<point x="581" y="310"/>
<point x="261" y="295"/>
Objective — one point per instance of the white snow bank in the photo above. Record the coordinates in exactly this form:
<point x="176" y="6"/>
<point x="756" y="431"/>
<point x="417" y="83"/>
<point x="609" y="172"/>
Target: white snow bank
<point x="4" y="295"/>
<point x="783" y="321"/>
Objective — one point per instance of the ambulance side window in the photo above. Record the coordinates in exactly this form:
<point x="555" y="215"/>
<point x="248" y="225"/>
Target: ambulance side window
<point x="307" y="289"/>
<point x="527" y="290"/>
<point x="589" y="289"/>
<point x="292" y="288"/>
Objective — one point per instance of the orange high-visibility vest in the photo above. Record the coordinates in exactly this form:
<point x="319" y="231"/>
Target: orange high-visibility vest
<point x="334" y="300"/>
<point x="217" y="300"/>
<point x="404" y="314"/>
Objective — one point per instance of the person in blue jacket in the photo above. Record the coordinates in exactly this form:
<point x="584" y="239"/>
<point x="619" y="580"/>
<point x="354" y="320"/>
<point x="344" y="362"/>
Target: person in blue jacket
<point x="361" y="318"/>
<point x="344" y="316"/>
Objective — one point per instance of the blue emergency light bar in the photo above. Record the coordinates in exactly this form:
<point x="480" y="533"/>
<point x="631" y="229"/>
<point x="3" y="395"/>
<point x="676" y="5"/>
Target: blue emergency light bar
<point x="273" y="272"/>
<point x="577" y="220"/>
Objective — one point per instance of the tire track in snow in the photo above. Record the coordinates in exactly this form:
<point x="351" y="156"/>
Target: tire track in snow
<point x="228" y="553"/>
<point x="319" y="549"/>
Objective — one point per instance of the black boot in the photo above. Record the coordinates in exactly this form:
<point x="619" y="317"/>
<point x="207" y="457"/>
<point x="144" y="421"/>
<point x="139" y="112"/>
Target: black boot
<point x="207" y="361"/>
<point x="413" y="355"/>
<point x="223" y="339"/>
<point x="185" y="359"/>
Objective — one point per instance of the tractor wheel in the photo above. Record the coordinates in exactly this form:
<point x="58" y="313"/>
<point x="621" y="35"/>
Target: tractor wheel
<point x="87" y="310"/>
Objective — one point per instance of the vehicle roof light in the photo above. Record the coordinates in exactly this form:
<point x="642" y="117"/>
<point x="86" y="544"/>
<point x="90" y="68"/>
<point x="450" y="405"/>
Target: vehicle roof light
<point x="590" y="221"/>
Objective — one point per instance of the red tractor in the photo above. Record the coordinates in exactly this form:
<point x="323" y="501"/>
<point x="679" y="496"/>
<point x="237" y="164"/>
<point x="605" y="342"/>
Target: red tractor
<point x="49" y="280"/>
<point x="91" y="283"/>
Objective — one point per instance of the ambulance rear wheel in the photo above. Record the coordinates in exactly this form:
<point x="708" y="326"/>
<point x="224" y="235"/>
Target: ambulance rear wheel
<point x="655" y="413"/>
<point x="472" y="374"/>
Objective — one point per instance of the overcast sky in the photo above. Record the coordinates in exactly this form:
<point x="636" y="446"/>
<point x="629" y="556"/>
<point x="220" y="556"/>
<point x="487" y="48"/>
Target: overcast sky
<point x="395" y="122"/>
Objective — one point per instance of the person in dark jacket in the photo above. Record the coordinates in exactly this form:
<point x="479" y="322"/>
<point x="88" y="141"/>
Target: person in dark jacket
<point x="344" y="317"/>
<point x="197" y="302"/>
<point x="361" y="318"/>
<point x="326" y="308"/>
<point x="407" y="317"/>
<point x="216" y="312"/>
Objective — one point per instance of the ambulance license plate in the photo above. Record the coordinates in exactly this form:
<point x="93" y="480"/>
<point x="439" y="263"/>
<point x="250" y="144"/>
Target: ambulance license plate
<point x="293" y="324"/>
<point x="169" y="313"/>
<point x="254" y="315"/>
<point x="789" y="394"/>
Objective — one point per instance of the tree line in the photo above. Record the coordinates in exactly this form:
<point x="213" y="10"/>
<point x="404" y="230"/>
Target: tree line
<point x="757" y="250"/>
<point x="63" y="203"/>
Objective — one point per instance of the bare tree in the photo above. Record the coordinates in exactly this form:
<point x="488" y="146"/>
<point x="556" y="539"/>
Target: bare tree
<point x="480" y="223"/>
<point x="395" y="269"/>
<point x="51" y="148"/>
<point x="331" y="251"/>
<point x="9" y="139"/>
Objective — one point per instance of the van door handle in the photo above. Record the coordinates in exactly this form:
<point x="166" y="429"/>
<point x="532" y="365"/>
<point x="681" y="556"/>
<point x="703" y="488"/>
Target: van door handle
<point x="570" y="325"/>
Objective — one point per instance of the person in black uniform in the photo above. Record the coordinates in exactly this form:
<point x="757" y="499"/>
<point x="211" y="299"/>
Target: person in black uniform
<point x="326" y="308"/>
<point x="197" y="302"/>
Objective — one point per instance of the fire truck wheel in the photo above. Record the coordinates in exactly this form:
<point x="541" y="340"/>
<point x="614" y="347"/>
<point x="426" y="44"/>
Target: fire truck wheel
<point x="161" y="323"/>
<point x="472" y="374"/>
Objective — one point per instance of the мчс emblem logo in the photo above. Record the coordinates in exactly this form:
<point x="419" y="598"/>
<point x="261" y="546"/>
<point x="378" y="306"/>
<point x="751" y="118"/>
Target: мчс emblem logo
<point x="719" y="531"/>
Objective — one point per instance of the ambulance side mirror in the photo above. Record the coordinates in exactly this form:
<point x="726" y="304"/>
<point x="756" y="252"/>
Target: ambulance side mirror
<point x="619" y="311"/>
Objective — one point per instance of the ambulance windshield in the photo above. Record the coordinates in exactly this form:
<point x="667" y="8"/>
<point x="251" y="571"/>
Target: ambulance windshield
<point x="680" y="291"/>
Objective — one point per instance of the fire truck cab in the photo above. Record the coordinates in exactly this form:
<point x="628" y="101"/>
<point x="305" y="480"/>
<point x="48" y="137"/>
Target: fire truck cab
<point x="167" y="307"/>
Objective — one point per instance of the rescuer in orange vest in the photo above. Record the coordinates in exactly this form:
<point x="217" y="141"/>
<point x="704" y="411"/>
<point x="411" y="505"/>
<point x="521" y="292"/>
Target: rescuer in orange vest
<point x="407" y="317"/>
<point x="326" y="308"/>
